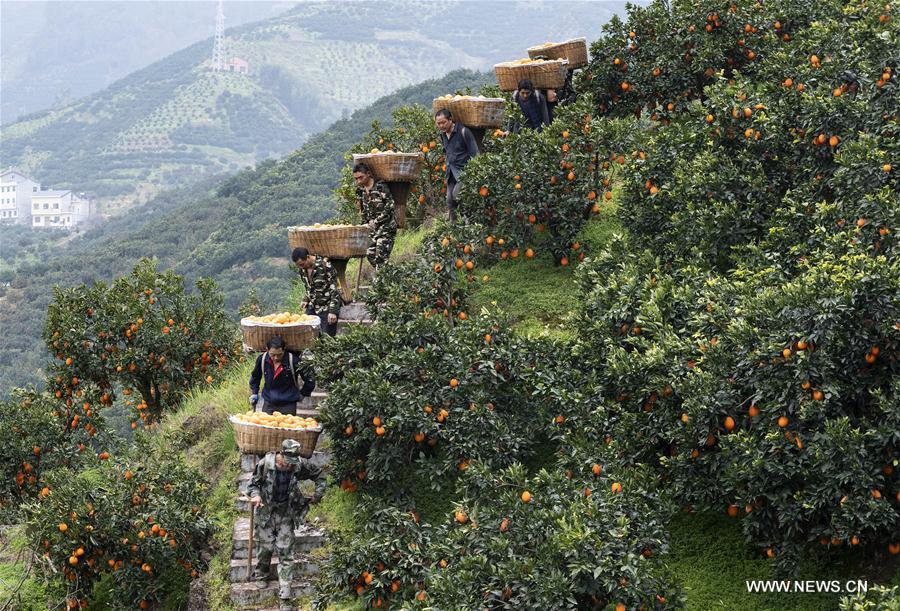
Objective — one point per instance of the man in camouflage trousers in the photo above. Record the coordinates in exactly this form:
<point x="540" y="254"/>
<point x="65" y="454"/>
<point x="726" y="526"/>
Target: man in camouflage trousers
<point x="323" y="297"/>
<point x="376" y="206"/>
<point x="280" y="507"/>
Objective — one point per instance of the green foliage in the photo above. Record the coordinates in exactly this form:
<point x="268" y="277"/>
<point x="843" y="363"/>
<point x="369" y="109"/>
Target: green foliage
<point x="875" y="598"/>
<point x="133" y="518"/>
<point x="730" y="144"/>
<point x="560" y="546"/>
<point x="437" y="281"/>
<point x="143" y="332"/>
<point x="700" y="369"/>
<point x="424" y="396"/>
<point x="33" y="442"/>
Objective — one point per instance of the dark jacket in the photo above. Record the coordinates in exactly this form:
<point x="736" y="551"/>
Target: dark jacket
<point x="262" y="484"/>
<point x="458" y="149"/>
<point x="283" y="389"/>
<point x="322" y="293"/>
<point x="535" y="109"/>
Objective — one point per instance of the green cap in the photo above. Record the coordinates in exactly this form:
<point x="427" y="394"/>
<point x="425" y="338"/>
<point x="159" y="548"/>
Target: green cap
<point x="290" y="449"/>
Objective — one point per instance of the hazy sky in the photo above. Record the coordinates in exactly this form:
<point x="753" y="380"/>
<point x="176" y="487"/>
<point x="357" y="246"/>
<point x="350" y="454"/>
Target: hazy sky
<point x="54" y="51"/>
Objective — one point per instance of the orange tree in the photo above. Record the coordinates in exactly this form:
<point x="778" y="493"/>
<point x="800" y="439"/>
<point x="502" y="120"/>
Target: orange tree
<point x="660" y="59"/>
<point x="794" y="375"/>
<point x="728" y="145"/>
<point x="422" y="396"/>
<point x="513" y="541"/>
<point x="143" y="336"/>
<point x="33" y="443"/>
<point x="550" y="541"/>
<point x="134" y="519"/>
<point x="384" y="564"/>
<point x="528" y="184"/>
<point x="451" y="261"/>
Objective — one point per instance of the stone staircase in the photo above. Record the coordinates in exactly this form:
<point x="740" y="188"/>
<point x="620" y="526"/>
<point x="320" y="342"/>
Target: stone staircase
<point x="308" y="537"/>
<point x="352" y="315"/>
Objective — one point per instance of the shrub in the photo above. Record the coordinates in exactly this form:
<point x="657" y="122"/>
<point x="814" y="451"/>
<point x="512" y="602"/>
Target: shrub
<point x="33" y="443"/>
<point x="547" y="542"/>
<point x="422" y="396"/>
<point x="143" y="332"/>
<point x="793" y="375"/>
<point x="528" y="184"/>
<point x="133" y="519"/>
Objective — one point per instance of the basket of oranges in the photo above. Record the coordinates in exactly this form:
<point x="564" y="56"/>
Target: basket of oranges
<point x="543" y="74"/>
<point x="574" y="50"/>
<point x="332" y="241"/>
<point x="259" y="432"/>
<point x="298" y="331"/>
<point x="391" y="166"/>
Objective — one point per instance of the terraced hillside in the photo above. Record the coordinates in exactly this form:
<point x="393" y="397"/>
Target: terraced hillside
<point x="176" y="120"/>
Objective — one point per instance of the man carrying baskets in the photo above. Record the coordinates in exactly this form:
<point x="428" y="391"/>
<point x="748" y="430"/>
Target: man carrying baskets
<point x="287" y="379"/>
<point x="376" y="207"/>
<point x="459" y="146"/>
<point x="323" y="297"/>
<point x="533" y="105"/>
<point x="280" y="508"/>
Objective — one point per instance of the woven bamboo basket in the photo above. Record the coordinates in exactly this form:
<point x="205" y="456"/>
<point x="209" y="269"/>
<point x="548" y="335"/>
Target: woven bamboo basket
<point x="332" y="241"/>
<point x="550" y="74"/>
<point x="297" y="336"/>
<point x="400" y="193"/>
<point x="441" y="103"/>
<point x="480" y="112"/>
<point x="574" y="50"/>
<point x="259" y="439"/>
<point x="473" y="111"/>
<point x="393" y="167"/>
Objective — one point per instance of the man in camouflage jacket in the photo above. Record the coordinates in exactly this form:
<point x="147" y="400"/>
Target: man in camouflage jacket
<point x="280" y="507"/>
<point x="376" y="207"/>
<point x="323" y="297"/>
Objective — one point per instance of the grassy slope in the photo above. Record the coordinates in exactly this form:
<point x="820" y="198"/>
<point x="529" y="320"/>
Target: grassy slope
<point x="201" y="429"/>
<point x="30" y="596"/>
<point x="536" y="294"/>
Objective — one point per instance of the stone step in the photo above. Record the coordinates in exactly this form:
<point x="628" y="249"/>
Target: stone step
<point x="313" y="400"/>
<point x="246" y="593"/>
<point x="242" y="503"/>
<point x="304" y="566"/>
<point x="306" y="538"/>
<point x="353" y="311"/>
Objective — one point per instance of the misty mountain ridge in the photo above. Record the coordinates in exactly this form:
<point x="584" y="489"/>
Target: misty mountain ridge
<point x="176" y="121"/>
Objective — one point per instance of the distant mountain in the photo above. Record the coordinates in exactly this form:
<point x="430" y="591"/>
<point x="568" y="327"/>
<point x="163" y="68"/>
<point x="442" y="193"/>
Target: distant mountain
<point x="176" y="121"/>
<point x="233" y="230"/>
<point x="56" y="52"/>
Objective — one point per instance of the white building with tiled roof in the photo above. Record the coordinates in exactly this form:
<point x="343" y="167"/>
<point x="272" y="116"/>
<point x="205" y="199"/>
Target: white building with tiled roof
<point x="16" y="190"/>
<point x="65" y="209"/>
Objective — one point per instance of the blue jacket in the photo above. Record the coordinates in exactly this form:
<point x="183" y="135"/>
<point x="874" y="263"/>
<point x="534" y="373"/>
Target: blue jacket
<point x="284" y="389"/>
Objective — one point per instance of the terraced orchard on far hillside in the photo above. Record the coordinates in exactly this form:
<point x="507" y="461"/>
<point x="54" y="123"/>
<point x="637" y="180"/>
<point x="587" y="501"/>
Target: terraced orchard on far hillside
<point x="175" y="121"/>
